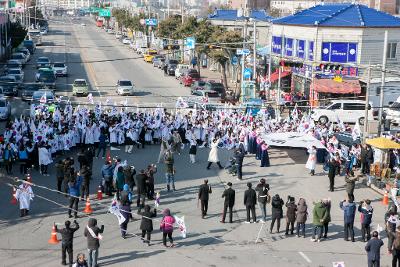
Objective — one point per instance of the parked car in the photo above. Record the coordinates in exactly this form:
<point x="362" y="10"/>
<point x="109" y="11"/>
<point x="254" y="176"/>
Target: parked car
<point x="60" y="69"/>
<point x="171" y="66"/>
<point x="5" y="108"/>
<point x="189" y="78"/>
<point x="8" y="79"/>
<point x="13" y="64"/>
<point x="157" y="59"/>
<point x="10" y="88"/>
<point x="30" y="45"/>
<point x="26" y="52"/>
<point x="29" y="89"/>
<point x="118" y="35"/>
<point x="43" y="62"/>
<point x="207" y="96"/>
<point x="80" y="87"/>
<point x="180" y="69"/>
<point x="197" y="85"/>
<point x="46" y="77"/>
<point x="43" y="31"/>
<point x="350" y="111"/>
<point x="37" y="95"/>
<point x="17" y="73"/>
<point x="124" y="87"/>
<point x="19" y="56"/>
<point x="126" y="41"/>
<point x="214" y="86"/>
<point x="149" y="55"/>
<point x="393" y="112"/>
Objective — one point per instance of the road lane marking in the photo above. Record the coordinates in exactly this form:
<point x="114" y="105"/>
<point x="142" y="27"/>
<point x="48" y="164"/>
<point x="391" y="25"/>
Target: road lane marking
<point x="307" y="259"/>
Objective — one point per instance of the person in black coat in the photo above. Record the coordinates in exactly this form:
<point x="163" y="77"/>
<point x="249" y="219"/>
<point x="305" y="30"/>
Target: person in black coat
<point x="277" y="212"/>
<point x="86" y="173"/>
<point x="141" y="180"/>
<point x="250" y="200"/>
<point x="240" y="152"/>
<point x="67" y="237"/>
<point x="82" y="158"/>
<point x="332" y="166"/>
<point x="203" y="196"/>
<point x="229" y="202"/>
<point x="373" y="249"/>
<point x="89" y="155"/>
<point x="290" y="215"/>
<point x="146" y="225"/>
<point x="141" y="136"/>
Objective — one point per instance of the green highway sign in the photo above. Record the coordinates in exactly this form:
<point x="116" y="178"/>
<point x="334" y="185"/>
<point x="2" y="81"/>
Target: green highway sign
<point x="105" y="13"/>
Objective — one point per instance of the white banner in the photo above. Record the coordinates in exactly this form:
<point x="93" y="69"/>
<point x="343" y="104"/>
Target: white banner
<point x="292" y="139"/>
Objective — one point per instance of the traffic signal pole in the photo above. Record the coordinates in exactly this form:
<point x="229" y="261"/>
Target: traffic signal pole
<point x="381" y="97"/>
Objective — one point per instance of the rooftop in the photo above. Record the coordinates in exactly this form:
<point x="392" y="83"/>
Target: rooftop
<point x="340" y="15"/>
<point x="233" y="14"/>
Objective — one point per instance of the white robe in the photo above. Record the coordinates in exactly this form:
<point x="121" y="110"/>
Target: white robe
<point x="312" y="159"/>
<point x="24" y="195"/>
<point x="44" y="156"/>
<point x="213" y="155"/>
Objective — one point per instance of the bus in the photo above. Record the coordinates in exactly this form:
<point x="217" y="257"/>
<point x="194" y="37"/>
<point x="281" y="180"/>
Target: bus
<point x="35" y="36"/>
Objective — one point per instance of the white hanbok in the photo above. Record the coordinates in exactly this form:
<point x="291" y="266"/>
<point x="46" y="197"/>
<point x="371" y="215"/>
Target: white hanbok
<point x="44" y="156"/>
<point x="312" y="159"/>
<point x="213" y="155"/>
<point x="24" y="195"/>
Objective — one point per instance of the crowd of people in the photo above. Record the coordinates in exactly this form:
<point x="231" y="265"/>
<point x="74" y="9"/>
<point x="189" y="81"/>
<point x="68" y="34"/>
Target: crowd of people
<point x="37" y="140"/>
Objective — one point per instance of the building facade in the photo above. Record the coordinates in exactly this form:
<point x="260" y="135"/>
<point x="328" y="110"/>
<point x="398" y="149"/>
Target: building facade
<point x="344" y="37"/>
<point x="250" y="4"/>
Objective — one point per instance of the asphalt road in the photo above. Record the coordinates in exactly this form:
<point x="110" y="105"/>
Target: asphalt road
<point x="23" y="241"/>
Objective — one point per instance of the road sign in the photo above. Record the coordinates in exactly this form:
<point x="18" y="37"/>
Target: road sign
<point x="247" y="73"/>
<point x="151" y="22"/>
<point x="104" y="13"/>
<point x="190" y="42"/>
<point x="234" y="60"/>
<point x="241" y="52"/>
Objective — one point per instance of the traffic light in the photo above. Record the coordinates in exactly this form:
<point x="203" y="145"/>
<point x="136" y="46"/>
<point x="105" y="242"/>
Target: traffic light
<point x="328" y="67"/>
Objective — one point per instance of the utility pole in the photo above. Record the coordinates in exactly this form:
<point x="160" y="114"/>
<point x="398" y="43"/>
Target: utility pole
<point x="243" y="60"/>
<point x="385" y="44"/>
<point x="367" y="104"/>
<point x="254" y="51"/>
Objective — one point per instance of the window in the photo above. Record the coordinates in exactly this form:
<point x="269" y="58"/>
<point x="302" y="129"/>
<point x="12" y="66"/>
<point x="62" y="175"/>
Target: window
<point x="353" y="106"/>
<point x="391" y="50"/>
<point x="335" y="106"/>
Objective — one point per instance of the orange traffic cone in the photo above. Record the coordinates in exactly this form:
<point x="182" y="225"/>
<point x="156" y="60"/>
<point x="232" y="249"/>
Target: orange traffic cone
<point x="13" y="199"/>
<point x="385" y="200"/>
<point x="99" y="193"/>
<point x="108" y="155"/>
<point x="53" y="236"/>
<point x="88" y="208"/>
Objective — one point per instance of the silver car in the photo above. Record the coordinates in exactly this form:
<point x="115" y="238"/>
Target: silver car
<point x="5" y="108"/>
<point x="18" y="74"/>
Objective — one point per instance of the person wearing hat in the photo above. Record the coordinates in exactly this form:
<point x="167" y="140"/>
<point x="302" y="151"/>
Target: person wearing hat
<point x="203" y="196"/>
<point x="24" y="195"/>
<point x="263" y="198"/>
<point x="67" y="237"/>
<point x="229" y="202"/>
<point x="250" y="200"/>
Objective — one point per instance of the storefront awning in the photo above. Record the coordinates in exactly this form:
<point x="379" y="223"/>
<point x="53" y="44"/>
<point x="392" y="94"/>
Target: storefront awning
<point x="275" y="75"/>
<point x="334" y="87"/>
<point x="382" y="143"/>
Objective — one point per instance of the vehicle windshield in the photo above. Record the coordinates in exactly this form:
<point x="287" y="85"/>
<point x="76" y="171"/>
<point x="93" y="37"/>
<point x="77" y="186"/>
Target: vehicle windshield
<point x="43" y="60"/>
<point x="80" y="83"/>
<point x="18" y="56"/>
<point x="32" y="87"/>
<point x="173" y="61"/>
<point x="152" y="53"/>
<point x="125" y="83"/>
<point x="39" y="94"/>
<point x="47" y="77"/>
<point x="59" y="65"/>
<point x="12" y="65"/>
<point x="194" y="75"/>
<point x="201" y="83"/>
<point x="2" y="103"/>
<point x="212" y="94"/>
<point x="395" y="106"/>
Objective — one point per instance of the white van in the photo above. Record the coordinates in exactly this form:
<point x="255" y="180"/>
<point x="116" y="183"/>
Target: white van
<point x="393" y="112"/>
<point x="349" y="111"/>
<point x="180" y="69"/>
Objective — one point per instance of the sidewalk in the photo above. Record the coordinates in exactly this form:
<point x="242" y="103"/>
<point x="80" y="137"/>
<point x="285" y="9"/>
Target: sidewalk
<point x="207" y="74"/>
